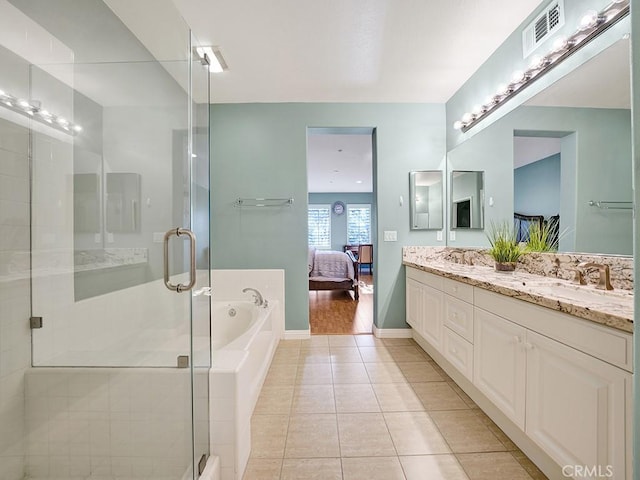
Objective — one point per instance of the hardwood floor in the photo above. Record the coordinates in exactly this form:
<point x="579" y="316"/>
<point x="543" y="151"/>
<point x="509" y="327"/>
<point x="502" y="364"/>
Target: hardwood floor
<point x="337" y="313"/>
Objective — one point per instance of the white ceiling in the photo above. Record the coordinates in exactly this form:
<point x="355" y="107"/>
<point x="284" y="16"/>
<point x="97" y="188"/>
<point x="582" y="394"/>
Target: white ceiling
<point x="527" y="150"/>
<point x="348" y="50"/>
<point x="340" y="163"/>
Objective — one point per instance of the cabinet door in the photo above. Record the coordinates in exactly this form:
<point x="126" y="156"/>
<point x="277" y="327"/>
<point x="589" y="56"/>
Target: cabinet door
<point x="432" y="316"/>
<point x="576" y="406"/>
<point x="414" y="304"/>
<point x="499" y="363"/>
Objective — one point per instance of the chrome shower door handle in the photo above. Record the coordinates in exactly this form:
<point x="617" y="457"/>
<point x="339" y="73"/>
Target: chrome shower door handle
<point x="192" y="259"/>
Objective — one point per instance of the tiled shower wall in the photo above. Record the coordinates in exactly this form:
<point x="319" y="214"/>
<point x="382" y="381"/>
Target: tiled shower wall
<point x="15" y="344"/>
<point x="112" y="422"/>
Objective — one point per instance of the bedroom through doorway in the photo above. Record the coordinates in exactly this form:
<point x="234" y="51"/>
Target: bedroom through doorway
<point x="341" y="230"/>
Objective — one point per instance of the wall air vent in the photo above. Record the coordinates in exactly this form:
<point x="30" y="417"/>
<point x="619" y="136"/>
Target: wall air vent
<point x="550" y="20"/>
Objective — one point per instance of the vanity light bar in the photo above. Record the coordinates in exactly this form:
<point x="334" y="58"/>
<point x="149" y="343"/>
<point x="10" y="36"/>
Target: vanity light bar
<point x="591" y="25"/>
<point x="35" y="111"/>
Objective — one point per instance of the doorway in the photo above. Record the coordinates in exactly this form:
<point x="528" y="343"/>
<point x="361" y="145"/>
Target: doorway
<point x="341" y="234"/>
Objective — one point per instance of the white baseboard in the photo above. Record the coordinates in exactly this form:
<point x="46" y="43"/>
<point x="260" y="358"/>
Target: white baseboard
<point x="297" y="334"/>
<point x="392" y="332"/>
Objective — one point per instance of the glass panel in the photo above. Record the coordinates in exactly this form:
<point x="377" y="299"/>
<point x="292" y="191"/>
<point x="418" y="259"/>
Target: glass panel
<point x="106" y="132"/>
<point x="201" y="304"/>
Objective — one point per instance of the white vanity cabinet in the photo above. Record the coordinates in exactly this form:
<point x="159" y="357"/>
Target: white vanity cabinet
<point x="457" y="332"/>
<point x="424" y="305"/>
<point x="563" y="381"/>
<point x="414" y="304"/>
<point x="500" y="363"/>
<point x="577" y="406"/>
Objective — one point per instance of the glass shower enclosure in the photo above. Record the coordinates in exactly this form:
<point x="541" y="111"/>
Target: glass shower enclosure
<point x="104" y="263"/>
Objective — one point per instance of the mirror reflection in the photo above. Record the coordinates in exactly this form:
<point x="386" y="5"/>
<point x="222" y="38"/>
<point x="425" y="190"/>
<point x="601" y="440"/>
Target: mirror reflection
<point x="576" y="175"/>
<point x="426" y="193"/>
<point x="565" y="156"/>
<point x="467" y="199"/>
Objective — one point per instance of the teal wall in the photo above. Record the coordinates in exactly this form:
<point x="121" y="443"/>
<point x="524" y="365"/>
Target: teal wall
<point x="259" y="150"/>
<point x="598" y="141"/>
<point x="536" y="187"/>
<point x="339" y="222"/>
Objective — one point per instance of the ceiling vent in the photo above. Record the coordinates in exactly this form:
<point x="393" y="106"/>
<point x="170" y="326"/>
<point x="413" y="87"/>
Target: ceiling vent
<point x="550" y="20"/>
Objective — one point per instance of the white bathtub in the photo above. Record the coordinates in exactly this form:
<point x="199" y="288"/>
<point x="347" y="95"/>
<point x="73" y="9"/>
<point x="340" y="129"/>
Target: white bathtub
<point x="244" y="339"/>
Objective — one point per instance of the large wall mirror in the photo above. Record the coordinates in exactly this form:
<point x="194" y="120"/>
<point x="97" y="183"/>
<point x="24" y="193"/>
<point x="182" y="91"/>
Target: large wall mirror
<point x="426" y="205"/>
<point x="467" y="199"/>
<point x="565" y="153"/>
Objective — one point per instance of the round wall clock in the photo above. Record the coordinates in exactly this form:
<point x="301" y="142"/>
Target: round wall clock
<point x="338" y="208"/>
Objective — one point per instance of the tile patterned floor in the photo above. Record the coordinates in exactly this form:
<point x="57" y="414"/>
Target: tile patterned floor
<point x="350" y="407"/>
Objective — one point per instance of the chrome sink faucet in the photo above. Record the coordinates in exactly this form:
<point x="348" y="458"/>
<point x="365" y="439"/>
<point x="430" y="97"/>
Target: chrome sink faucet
<point x="258" y="300"/>
<point x="604" y="281"/>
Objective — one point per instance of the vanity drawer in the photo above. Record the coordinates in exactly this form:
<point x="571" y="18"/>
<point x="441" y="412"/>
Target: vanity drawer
<point x="459" y="352"/>
<point x="460" y="290"/>
<point x="458" y="316"/>
<point x="426" y="278"/>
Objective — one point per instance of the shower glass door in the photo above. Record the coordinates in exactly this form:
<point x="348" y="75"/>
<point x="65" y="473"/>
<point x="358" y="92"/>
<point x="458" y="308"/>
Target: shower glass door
<point x="117" y="124"/>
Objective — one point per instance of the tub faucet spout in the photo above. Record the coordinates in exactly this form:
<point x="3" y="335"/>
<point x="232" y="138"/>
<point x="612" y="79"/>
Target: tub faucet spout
<point x="258" y="300"/>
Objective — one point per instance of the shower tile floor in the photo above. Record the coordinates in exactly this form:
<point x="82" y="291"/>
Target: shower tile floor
<point x="358" y="407"/>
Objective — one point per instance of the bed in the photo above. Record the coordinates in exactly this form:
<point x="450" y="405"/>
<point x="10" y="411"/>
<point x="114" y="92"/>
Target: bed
<point x="332" y="270"/>
<point x="522" y="224"/>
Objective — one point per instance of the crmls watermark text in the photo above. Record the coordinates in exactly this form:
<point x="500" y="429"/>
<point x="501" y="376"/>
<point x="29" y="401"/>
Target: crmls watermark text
<point x="584" y="471"/>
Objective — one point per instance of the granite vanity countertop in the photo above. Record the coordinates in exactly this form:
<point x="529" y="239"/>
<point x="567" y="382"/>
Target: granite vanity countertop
<point x="611" y="308"/>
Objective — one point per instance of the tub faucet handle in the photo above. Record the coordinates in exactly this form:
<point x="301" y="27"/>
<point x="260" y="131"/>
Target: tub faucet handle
<point x="257" y="296"/>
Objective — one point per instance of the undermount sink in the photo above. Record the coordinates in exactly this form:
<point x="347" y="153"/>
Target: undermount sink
<point x="558" y="288"/>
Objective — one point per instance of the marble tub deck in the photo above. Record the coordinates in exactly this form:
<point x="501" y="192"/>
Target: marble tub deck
<point x="613" y="309"/>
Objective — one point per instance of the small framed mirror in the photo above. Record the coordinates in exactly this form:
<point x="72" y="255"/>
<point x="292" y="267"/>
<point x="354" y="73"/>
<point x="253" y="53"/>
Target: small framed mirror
<point x="426" y="194"/>
<point x="467" y="199"/>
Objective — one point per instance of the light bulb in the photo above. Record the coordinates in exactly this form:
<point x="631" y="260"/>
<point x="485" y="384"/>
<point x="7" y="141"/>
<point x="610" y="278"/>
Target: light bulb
<point x="77" y="128"/>
<point x="23" y="103"/>
<point x="502" y="89"/>
<point x="518" y="76"/>
<point x="467" y="117"/>
<point x="589" y="20"/>
<point x="478" y="110"/>
<point x="2" y="94"/>
<point x="560" y="44"/>
<point x="536" y="63"/>
<point x="63" y="121"/>
<point x="457" y="125"/>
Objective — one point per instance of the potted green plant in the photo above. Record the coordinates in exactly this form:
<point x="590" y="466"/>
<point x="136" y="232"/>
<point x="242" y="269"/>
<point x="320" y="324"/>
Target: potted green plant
<point x="505" y="249"/>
